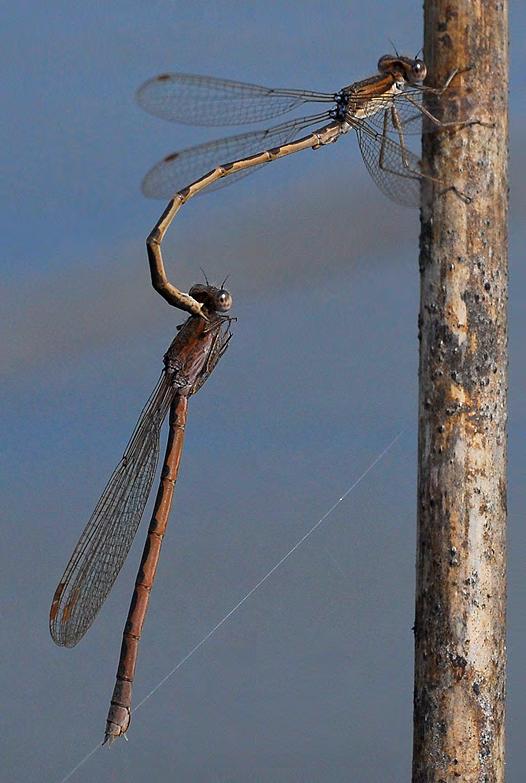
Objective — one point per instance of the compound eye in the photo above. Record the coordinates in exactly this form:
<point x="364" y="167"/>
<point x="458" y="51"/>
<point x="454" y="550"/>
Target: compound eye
<point x="419" y="70"/>
<point x="223" y="301"/>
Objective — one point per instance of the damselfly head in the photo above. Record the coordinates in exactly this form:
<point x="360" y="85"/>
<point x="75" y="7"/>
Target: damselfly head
<point x="214" y="299"/>
<point x="413" y="70"/>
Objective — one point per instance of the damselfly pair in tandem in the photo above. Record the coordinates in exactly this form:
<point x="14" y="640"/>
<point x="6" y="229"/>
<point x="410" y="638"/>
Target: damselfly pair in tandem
<point x="381" y="109"/>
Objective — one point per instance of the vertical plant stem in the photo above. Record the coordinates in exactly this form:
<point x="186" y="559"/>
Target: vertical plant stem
<point x="460" y="654"/>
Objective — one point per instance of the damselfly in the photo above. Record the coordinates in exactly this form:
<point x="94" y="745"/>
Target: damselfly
<point x="382" y="110"/>
<point x="107" y="538"/>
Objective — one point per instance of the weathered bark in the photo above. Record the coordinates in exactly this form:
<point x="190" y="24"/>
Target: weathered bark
<point x="460" y="653"/>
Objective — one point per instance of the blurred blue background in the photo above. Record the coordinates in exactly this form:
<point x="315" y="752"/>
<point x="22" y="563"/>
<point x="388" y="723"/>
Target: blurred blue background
<point x="311" y="679"/>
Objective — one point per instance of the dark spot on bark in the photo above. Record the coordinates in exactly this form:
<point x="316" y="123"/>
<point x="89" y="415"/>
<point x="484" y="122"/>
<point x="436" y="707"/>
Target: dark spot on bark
<point x="446" y="41"/>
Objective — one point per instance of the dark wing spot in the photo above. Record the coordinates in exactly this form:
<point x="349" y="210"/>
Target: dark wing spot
<point x="171" y="157"/>
<point x="56" y="600"/>
<point x="70" y="606"/>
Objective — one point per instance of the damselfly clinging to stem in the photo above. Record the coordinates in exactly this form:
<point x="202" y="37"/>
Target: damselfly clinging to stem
<point x="107" y="538"/>
<point x="382" y="110"/>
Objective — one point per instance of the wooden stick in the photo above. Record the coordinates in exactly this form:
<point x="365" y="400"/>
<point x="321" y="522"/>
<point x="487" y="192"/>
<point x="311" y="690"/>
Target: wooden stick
<point x="460" y="658"/>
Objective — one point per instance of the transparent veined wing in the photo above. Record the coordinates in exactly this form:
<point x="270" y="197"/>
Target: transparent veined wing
<point x="395" y="169"/>
<point x="180" y="169"/>
<point x="205" y="100"/>
<point x="107" y="538"/>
